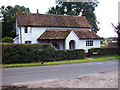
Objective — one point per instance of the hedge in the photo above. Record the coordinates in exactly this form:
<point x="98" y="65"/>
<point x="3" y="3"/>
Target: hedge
<point x="61" y="55"/>
<point x="7" y="40"/>
<point x="22" y="53"/>
<point x="103" y="51"/>
<point x="27" y="53"/>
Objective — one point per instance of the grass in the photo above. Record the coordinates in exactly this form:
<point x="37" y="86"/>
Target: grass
<point x="93" y="59"/>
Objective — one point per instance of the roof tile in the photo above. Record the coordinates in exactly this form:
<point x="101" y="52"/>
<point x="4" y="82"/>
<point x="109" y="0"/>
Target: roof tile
<point x="55" y="34"/>
<point x="52" y="20"/>
<point x="63" y="33"/>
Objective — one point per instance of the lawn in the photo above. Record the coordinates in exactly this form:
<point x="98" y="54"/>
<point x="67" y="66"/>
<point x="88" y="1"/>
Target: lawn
<point x="93" y="59"/>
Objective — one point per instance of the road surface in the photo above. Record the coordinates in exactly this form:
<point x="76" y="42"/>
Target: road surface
<point x="45" y="73"/>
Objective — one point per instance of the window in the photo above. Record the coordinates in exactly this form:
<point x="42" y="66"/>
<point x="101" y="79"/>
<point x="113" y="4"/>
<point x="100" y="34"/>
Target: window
<point x="89" y="43"/>
<point x="55" y="44"/>
<point x="29" y="30"/>
<point x="26" y="30"/>
<point x="27" y="41"/>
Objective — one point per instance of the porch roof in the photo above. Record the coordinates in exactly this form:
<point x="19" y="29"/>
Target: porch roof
<point x="55" y="34"/>
<point x="63" y="33"/>
<point x="86" y="34"/>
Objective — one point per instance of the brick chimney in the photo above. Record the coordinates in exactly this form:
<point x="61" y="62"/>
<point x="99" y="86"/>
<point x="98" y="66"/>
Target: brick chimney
<point x="37" y="11"/>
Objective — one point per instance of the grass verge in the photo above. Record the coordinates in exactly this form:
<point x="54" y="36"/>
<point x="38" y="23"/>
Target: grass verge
<point x="93" y="59"/>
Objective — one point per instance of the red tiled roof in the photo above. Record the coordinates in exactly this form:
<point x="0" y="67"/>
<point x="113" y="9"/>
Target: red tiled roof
<point x="63" y="33"/>
<point x="55" y="34"/>
<point x="52" y="20"/>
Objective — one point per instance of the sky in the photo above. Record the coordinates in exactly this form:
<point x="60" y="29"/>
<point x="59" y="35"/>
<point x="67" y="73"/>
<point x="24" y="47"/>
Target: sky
<point x="106" y="12"/>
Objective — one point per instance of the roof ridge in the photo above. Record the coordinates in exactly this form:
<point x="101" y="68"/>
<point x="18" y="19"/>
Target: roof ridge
<point x="47" y="14"/>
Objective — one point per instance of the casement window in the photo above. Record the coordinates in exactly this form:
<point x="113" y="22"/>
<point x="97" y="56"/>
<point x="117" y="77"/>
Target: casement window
<point x="89" y="43"/>
<point x="26" y="30"/>
<point x="27" y="41"/>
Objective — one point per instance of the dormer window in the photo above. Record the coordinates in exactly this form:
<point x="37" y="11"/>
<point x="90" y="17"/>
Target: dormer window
<point x="26" y="30"/>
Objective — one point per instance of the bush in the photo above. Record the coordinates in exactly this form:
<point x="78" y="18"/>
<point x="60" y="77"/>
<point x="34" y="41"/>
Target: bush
<point x="103" y="51"/>
<point x="22" y="53"/>
<point x="7" y="40"/>
<point x="58" y="55"/>
<point x="27" y="53"/>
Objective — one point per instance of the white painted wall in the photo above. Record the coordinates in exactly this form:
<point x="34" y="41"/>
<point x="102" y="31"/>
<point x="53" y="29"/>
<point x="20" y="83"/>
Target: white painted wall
<point x="79" y="43"/>
<point x="82" y="45"/>
<point x="16" y="40"/>
<point x="32" y="35"/>
<point x="17" y="30"/>
<point x="35" y="32"/>
<point x="72" y="36"/>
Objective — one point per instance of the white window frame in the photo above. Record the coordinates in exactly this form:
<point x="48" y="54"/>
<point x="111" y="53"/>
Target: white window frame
<point x="89" y="43"/>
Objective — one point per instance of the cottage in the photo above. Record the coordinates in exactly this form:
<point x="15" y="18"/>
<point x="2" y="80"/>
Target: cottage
<point x="63" y="31"/>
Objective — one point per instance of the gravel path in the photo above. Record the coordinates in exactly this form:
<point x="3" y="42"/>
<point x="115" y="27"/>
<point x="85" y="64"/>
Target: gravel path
<point x="101" y="80"/>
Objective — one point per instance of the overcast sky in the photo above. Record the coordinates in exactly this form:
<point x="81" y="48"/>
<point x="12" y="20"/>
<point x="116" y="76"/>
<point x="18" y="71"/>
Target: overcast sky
<point x="106" y="12"/>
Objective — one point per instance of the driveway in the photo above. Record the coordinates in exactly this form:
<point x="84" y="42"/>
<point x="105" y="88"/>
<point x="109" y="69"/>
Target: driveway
<point x="55" y="72"/>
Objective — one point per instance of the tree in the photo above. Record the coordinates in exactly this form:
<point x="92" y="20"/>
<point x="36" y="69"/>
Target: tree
<point x="8" y="21"/>
<point x="78" y="8"/>
<point x="7" y="40"/>
<point x="117" y="30"/>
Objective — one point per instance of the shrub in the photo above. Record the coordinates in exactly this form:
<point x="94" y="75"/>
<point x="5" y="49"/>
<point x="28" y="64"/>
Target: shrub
<point x="22" y="53"/>
<point x="7" y="40"/>
<point x="27" y="53"/>
<point x="103" y="51"/>
<point x="57" y="55"/>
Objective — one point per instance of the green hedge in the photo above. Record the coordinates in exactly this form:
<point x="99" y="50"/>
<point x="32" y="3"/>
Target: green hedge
<point x="22" y="53"/>
<point x="7" y="40"/>
<point x="58" y="55"/>
<point x="27" y="53"/>
<point x="103" y="51"/>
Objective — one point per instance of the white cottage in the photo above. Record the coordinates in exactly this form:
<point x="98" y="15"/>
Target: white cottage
<point x="63" y="31"/>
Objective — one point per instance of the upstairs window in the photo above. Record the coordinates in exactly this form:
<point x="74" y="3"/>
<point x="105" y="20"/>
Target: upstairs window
<point x="26" y="30"/>
<point x="28" y="42"/>
<point x="89" y="43"/>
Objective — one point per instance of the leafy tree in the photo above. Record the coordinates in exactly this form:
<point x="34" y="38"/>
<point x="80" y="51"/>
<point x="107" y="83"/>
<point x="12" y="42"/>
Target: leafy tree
<point x="9" y="17"/>
<point x="7" y="40"/>
<point x="78" y="8"/>
<point x="117" y="30"/>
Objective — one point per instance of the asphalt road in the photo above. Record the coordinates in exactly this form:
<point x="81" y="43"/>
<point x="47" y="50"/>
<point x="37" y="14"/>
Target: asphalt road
<point x="55" y="72"/>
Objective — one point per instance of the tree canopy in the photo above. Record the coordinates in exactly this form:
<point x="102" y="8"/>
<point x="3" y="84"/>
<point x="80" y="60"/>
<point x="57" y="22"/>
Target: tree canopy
<point x="9" y="17"/>
<point x="117" y="30"/>
<point x="78" y="8"/>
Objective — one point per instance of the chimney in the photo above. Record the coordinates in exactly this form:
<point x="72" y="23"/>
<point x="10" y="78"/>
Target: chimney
<point x="37" y="11"/>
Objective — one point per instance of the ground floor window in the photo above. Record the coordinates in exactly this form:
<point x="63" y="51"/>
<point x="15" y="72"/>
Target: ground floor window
<point x="89" y="43"/>
<point x="27" y="41"/>
<point x="55" y="44"/>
